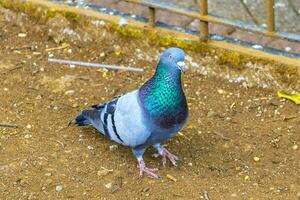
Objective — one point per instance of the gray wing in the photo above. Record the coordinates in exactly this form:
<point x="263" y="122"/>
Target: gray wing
<point x="131" y="123"/>
<point x="121" y="120"/>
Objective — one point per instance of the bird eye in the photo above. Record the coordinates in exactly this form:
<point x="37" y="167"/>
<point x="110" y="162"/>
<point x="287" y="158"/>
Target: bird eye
<point x="170" y="57"/>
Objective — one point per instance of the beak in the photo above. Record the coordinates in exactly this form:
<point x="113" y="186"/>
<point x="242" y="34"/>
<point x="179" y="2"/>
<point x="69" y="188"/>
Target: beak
<point x="181" y="66"/>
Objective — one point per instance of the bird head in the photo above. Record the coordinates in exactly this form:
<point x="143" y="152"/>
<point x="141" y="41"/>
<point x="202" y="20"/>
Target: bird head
<point x="173" y="59"/>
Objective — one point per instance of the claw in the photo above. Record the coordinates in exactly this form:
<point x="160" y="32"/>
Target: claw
<point x="166" y="154"/>
<point x="149" y="171"/>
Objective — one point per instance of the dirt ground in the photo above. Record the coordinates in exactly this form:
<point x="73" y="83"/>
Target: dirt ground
<point x="239" y="143"/>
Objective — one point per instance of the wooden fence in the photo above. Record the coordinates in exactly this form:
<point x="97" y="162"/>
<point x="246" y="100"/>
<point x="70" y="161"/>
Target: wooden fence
<point x="205" y="19"/>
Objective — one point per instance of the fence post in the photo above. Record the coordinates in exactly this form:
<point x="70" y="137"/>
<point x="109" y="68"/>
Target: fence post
<point x="152" y="17"/>
<point x="271" y="16"/>
<point x="203" y="7"/>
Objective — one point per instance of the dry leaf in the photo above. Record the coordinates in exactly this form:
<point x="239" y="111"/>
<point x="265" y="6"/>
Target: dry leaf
<point x="293" y="97"/>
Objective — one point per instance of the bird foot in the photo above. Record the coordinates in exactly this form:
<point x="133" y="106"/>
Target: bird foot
<point x="167" y="154"/>
<point x="149" y="171"/>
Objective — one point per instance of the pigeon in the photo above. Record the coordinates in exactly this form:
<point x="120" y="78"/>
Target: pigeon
<point x="147" y="116"/>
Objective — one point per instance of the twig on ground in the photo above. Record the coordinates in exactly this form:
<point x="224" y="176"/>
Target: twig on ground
<point x="205" y="195"/>
<point x="70" y="62"/>
<point x="12" y="69"/>
<point x="222" y="136"/>
<point x="290" y="117"/>
<point x="57" y="48"/>
<point x="8" y="125"/>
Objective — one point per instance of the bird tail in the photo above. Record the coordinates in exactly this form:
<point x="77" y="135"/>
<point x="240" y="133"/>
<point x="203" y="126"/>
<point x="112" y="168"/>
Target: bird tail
<point x="82" y="120"/>
<point x="88" y="117"/>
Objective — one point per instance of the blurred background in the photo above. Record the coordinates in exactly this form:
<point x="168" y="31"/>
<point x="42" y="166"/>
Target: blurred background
<point x="250" y="12"/>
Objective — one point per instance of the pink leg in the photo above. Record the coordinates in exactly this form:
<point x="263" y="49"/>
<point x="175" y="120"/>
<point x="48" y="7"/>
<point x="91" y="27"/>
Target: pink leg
<point x="144" y="169"/>
<point x="167" y="154"/>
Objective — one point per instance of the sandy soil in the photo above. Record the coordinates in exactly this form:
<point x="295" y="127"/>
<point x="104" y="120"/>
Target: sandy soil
<point x="238" y="143"/>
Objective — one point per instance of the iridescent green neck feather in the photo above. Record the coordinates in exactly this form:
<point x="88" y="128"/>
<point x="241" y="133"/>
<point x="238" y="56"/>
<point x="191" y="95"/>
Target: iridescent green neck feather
<point x="162" y="96"/>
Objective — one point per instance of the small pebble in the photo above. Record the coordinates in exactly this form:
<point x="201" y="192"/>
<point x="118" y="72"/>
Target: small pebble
<point x="287" y="48"/>
<point x="28" y="126"/>
<point x="90" y="147"/>
<point x="68" y="92"/>
<point x="48" y="174"/>
<point x="58" y="188"/>
<point x="295" y="147"/>
<point x="256" y="46"/>
<point x="211" y="113"/>
<point x="123" y="22"/>
<point x="113" y="147"/>
<point x="190" y="164"/>
<point x="247" y="178"/>
<point x="5" y="89"/>
<point x="22" y="35"/>
<point x="220" y="91"/>
<point x="171" y="178"/>
<point x="75" y="105"/>
<point x="108" y="185"/>
<point x="27" y="136"/>
<point x="146" y="189"/>
<point x="233" y="195"/>
<point x="256" y="159"/>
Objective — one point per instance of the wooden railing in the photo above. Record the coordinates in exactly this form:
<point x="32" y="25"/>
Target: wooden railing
<point x="205" y="19"/>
